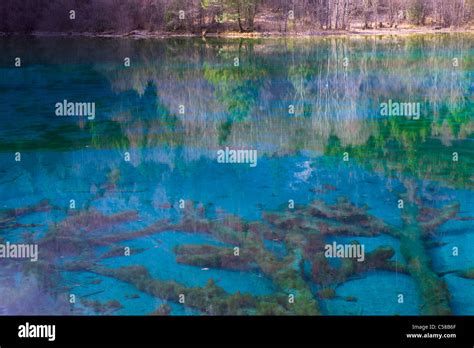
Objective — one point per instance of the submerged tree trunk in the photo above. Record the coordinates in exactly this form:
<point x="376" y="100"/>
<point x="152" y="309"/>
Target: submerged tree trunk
<point x="433" y="289"/>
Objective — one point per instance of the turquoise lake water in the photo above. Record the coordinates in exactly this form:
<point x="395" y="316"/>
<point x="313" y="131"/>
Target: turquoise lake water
<point x="304" y="105"/>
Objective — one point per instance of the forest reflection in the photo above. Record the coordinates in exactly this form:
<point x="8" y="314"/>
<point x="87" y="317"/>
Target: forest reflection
<point x="282" y="96"/>
<point x="324" y="96"/>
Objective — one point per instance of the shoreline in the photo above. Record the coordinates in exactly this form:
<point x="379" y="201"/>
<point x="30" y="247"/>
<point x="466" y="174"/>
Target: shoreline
<point x="141" y="34"/>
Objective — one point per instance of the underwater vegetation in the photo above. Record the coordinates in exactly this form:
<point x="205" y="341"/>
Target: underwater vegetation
<point x="303" y="229"/>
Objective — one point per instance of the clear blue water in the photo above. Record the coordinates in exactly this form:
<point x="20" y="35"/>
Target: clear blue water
<point x="173" y="157"/>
